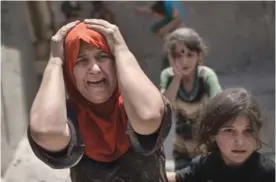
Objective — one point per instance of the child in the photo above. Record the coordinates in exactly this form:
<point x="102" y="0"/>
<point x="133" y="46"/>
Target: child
<point x="188" y="85"/>
<point x="229" y="134"/>
<point x="170" y="15"/>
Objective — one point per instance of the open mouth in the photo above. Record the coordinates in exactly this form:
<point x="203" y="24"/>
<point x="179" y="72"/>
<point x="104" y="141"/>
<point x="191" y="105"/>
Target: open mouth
<point x="239" y="151"/>
<point x="96" y="83"/>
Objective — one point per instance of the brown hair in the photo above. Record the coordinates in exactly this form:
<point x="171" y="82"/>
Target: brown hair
<point x="189" y="38"/>
<point x="225" y="107"/>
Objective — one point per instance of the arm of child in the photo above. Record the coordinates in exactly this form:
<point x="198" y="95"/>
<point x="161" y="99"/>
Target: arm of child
<point x="211" y="82"/>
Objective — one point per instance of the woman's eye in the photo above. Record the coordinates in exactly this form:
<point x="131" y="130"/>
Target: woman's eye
<point x="102" y="57"/>
<point x="82" y="60"/>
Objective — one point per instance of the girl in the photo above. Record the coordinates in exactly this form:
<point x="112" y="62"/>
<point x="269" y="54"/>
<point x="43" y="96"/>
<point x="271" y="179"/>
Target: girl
<point x="188" y="85"/>
<point x="109" y="125"/>
<point x="228" y="134"/>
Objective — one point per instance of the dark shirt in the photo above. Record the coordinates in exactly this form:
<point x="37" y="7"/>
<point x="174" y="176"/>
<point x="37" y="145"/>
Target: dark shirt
<point x="211" y="168"/>
<point x="144" y="161"/>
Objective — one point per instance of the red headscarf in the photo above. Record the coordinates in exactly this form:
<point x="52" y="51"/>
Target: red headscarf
<point x="102" y="126"/>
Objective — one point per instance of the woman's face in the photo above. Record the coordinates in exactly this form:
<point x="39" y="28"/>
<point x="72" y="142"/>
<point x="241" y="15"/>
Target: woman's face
<point x="235" y="141"/>
<point x="95" y="74"/>
<point x="184" y="58"/>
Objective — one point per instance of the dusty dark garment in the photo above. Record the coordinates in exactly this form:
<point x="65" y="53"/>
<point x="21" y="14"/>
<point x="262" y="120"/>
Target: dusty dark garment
<point x="211" y="168"/>
<point x="143" y="162"/>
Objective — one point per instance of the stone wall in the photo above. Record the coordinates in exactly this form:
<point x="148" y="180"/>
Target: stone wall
<point x="19" y="81"/>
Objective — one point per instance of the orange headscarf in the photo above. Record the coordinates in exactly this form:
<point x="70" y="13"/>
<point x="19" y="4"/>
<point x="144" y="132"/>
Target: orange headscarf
<point x="102" y="126"/>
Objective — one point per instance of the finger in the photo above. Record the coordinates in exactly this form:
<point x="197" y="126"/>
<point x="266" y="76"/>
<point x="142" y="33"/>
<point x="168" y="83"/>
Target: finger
<point x="177" y="69"/>
<point x="98" y="22"/>
<point x="100" y="29"/>
<point x="68" y="27"/>
<point x="106" y="32"/>
<point x="178" y="65"/>
<point x="171" y="61"/>
<point x="62" y="32"/>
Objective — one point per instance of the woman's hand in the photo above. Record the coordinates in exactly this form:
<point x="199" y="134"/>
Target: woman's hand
<point x="111" y="32"/>
<point x="57" y="41"/>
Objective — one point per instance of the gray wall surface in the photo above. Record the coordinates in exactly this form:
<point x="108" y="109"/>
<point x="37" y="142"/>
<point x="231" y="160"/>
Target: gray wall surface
<point x="19" y="81"/>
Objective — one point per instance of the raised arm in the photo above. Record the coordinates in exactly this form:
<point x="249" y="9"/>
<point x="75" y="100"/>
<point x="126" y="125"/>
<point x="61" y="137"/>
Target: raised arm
<point x="174" y="21"/>
<point x="48" y="121"/>
<point x="211" y="82"/>
<point x="142" y="100"/>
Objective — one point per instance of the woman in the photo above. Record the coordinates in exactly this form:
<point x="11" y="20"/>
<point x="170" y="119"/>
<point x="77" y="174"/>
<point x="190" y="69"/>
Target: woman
<point x="188" y="85"/>
<point x="229" y="134"/>
<point x="109" y="125"/>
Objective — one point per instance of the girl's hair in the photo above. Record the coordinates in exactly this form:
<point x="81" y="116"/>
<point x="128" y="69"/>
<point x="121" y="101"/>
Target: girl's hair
<point x="189" y="38"/>
<point x="225" y="107"/>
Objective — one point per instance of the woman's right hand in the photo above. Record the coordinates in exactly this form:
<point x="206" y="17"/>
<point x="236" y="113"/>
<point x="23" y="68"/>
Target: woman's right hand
<point x="57" y="41"/>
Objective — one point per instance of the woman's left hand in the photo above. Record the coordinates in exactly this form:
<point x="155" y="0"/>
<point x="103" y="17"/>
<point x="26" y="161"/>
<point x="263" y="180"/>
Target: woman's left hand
<point x="111" y="32"/>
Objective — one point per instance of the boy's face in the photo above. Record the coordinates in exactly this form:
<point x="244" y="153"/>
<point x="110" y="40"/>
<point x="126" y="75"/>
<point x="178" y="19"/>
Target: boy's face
<point x="235" y="141"/>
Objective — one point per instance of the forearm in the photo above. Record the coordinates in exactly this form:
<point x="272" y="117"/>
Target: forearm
<point x="171" y="92"/>
<point x="48" y="112"/>
<point x="171" y="176"/>
<point x="170" y="26"/>
<point x="143" y="101"/>
<point x="143" y="10"/>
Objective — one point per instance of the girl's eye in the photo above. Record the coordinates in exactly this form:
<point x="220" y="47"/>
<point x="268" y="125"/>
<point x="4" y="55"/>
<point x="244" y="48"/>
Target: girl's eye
<point x="228" y="130"/>
<point x="249" y="130"/>
<point x="189" y="55"/>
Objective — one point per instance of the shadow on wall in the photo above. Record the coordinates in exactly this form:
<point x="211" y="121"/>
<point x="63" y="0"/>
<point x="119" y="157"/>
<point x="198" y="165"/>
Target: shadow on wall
<point x="19" y="81"/>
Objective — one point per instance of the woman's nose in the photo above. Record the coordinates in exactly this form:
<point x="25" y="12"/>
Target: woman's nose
<point x="94" y="68"/>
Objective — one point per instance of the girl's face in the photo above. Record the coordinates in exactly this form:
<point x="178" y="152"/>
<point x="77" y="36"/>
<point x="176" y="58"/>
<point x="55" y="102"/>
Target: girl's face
<point x="235" y="141"/>
<point x="186" y="59"/>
